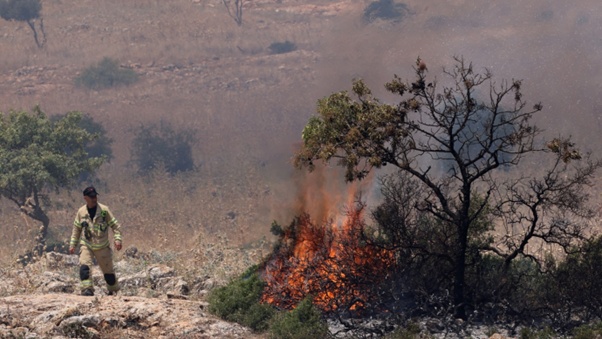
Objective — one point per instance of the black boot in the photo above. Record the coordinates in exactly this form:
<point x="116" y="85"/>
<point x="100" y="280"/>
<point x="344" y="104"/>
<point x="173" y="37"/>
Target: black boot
<point x="88" y="292"/>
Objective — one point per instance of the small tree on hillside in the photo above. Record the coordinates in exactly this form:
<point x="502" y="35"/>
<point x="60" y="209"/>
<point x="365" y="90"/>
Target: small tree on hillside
<point x="38" y="156"/>
<point x="25" y="10"/>
<point x="472" y="126"/>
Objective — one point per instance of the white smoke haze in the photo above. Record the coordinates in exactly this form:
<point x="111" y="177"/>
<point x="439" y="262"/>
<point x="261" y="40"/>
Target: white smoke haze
<point x="201" y="71"/>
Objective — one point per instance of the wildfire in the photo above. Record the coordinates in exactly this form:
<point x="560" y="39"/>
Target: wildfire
<point x="328" y="261"/>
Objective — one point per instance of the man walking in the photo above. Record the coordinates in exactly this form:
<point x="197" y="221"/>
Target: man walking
<point x="93" y="220"/>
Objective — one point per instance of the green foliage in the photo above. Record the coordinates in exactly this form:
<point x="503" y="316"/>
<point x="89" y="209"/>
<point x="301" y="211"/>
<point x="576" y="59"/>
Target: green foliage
<point x="359" y="129"/>
<point x="20" y="10"/>
<point x="36" y="154"/>
<point x="529" y="333"/>
<point x="239" y="302"/>
<point x="282" y="47"/>
<point x="100" y="147"/>
<point x="386" y="10"/>
<point x="579" y="278"/>
<point x="589" y="331"/>
<point x="304" y="322"/>
<point x="160" y="146"/>
<point x="106" y="74"/>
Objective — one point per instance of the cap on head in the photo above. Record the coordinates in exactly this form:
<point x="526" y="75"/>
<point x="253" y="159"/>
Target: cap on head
<point x="90" y="191"/>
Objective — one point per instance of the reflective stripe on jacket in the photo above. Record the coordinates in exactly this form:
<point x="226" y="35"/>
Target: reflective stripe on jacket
<point x="96" y="230"/>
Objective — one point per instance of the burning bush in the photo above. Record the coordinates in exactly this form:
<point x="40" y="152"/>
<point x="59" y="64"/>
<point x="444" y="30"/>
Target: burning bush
<point x="328" y="261"/>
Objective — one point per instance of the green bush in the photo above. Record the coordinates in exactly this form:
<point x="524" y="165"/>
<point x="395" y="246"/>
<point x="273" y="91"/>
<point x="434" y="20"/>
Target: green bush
<point x="239" y="302"/>
<point x="577" y="280"/>
<point x="304" y="322"/>
<point x="160" y="146"/>
<point x="386" y="10"/>
<point x="282" y="47"/>
<point x="529" y="333"/>
<point x="590" y="331"/>
<point x="106" y="74"/>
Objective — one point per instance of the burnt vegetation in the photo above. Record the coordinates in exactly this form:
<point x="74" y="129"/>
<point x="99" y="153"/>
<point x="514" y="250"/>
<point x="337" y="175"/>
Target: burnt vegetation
<point x="455" y="233"/>
<point x="460" y="213"/>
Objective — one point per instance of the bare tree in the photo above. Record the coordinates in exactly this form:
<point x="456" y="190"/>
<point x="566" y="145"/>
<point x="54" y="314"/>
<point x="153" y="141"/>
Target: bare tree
<point x="457" y="140"/>
<point x="234" y="9"/>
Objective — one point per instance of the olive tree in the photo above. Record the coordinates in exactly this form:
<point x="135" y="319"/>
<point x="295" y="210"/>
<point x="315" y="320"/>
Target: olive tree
<point x="28" y="11"/>
<point x="460" y="137"/>
<point x="38" y="156"/>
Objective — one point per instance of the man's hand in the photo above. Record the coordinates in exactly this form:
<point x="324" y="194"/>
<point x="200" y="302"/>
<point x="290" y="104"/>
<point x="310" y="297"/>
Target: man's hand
<point x="71" y="250"/>
<point x="118" y="245"/>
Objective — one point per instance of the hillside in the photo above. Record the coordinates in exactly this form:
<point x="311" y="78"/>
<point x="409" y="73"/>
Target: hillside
<point x="201" y="72"/>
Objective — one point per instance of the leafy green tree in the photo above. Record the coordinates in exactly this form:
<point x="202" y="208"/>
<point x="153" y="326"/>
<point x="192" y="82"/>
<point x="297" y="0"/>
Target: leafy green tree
<point x="25" y="10"/>
<point x="474" y="126"/>
<point x="38" y="156"/>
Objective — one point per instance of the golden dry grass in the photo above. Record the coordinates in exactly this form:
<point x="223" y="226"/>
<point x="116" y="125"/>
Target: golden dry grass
<point x="201" y="71"/>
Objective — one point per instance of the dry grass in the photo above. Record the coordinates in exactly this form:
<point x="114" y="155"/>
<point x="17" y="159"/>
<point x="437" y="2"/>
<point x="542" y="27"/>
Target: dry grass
<point x="201" y="71"/>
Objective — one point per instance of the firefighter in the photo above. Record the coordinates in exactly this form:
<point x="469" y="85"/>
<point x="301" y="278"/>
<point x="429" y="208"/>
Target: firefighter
<point x="91" y="228"/>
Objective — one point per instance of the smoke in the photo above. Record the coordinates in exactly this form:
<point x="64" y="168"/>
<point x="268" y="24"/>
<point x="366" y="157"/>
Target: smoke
<point x="553" y="46"/>
<point x="323" y="194"/>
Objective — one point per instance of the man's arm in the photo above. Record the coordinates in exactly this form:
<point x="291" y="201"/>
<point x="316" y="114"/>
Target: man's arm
<point x="75" y="234"/>
<point x="116" y="227"/>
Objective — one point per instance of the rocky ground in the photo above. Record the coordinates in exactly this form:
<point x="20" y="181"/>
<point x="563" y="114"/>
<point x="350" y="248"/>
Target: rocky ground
<point x="41" y="300"/>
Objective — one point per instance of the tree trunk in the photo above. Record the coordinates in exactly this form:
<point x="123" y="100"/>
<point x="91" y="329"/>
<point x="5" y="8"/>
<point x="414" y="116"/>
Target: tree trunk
<point x="32" y="25"/>
<point x="31" y="208"/>
<point x="459" y="305"/>
<point x="40" y="245"/>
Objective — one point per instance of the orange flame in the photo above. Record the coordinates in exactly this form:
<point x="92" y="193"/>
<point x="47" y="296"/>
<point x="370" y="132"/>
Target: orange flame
<point x="327" y="261"/>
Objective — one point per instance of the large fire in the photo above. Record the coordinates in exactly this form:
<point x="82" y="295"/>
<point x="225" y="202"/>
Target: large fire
<point x="328" y="261"/>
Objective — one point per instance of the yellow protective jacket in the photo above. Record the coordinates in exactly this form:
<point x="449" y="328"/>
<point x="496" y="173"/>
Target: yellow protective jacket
<point x="94" y="234"/>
